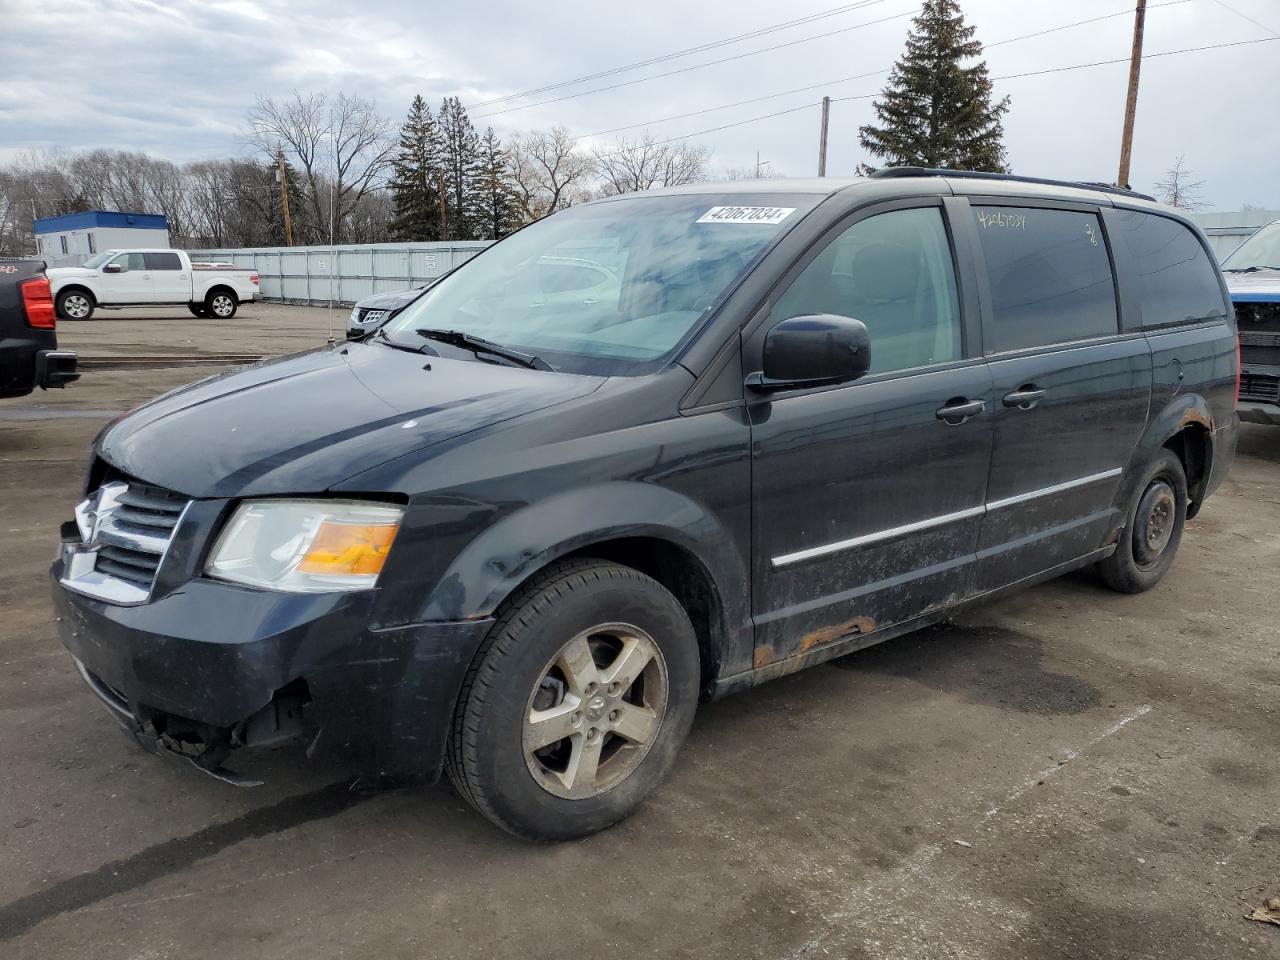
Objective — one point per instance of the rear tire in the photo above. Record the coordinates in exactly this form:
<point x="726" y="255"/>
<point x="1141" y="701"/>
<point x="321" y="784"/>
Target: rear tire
<point x="577" y="703"/>
<point x="221" y="304"/>
<point x="75" y="305"/>
<point x="1153" y="527"/>
<point x="199" y="310"/>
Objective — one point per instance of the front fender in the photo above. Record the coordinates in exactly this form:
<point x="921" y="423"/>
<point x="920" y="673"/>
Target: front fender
<point x="506" y="554"/>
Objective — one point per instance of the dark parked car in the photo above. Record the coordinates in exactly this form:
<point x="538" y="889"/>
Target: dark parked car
<point x="29" y="354"/>
<point x="372" y="312"/>
<point x="1253" y="277"/>
<point x="518" y="534"/>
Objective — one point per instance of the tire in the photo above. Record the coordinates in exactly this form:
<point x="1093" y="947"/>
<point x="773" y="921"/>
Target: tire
<point x="221" y="304"/>
<point x="199" y="310"/>
<point x="530" y="680"/>
<point x="75" y="304"/>
<point x="1153" y="527"/>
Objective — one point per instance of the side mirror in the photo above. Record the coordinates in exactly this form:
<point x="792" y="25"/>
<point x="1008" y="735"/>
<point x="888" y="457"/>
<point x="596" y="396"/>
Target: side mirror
<point x="113" y="268"/>
<point x="811" y="351"/>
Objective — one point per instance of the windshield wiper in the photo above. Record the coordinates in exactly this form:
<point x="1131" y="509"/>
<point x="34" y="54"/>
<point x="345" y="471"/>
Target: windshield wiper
<point x="459" y="338"/>
<point x="1265" y="266"/>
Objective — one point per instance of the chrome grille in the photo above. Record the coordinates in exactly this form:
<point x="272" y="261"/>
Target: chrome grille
<point x="125" y="529"/>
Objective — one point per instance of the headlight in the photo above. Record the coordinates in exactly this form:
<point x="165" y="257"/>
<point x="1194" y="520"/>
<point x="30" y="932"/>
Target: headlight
<point x="305" y="546"/>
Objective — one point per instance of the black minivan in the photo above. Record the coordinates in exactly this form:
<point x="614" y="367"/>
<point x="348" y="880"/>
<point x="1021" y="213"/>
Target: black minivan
<point x="650" y="449"/>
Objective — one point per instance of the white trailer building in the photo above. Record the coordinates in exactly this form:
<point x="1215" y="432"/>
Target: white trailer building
<point x="71" y="239"/>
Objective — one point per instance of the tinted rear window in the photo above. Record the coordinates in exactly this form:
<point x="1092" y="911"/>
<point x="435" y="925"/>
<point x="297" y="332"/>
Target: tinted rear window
<point x="1176" y="280"/>
<point x="1050" y="276"/>
<point x="163" y="261"/>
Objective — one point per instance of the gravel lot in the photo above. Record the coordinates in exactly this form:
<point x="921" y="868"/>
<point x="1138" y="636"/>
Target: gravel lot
<point x="1068" y="773"/>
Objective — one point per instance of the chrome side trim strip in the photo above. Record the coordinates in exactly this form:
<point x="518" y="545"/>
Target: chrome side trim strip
<point x="787" y="559"/>
<point x="862" y="541"/>
<point x="1056" y="488"/>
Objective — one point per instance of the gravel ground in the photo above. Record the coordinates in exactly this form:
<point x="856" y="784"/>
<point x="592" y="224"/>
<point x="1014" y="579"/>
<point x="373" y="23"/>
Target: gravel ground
<point x="1067" y="773"/>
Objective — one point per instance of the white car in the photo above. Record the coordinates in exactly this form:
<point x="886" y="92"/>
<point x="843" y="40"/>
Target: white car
<point x="129" y="278"/>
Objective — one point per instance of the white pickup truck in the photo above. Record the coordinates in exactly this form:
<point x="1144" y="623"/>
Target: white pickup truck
<point x="129" y="278"/>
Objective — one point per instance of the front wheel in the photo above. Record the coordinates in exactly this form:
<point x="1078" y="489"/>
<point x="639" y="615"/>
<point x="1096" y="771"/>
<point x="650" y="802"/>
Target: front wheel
<point x="1153" y="528"/>
<point x="75" y="305"/>
<point x="221" y="304"/>
<point x="577" y="703"/>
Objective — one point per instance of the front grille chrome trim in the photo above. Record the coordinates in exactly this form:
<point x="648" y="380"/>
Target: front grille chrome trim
<point x="103" y="536"/>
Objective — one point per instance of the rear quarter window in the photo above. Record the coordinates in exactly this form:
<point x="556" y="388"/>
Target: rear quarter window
<point x="1050" y="277"/>
<point x="1175" y="279"/>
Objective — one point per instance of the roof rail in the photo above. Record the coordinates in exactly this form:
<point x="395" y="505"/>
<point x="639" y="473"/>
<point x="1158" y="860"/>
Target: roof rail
<point x="891" y="172"/>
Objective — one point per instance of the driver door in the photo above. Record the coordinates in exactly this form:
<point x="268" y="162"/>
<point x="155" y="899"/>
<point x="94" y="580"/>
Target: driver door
<point x="867" y="497"/>
<point x="132" y="284"/>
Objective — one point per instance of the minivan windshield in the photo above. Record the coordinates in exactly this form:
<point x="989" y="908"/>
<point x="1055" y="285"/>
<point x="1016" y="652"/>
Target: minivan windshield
<point x="99" y="259"/>
<point x="605" y="288"/>
<point x="1259" y="252"/>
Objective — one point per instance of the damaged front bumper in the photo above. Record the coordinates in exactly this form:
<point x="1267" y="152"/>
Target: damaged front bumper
<point x="213" y="667"/>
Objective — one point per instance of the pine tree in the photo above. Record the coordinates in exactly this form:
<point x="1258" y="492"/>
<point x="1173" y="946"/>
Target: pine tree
<point x="415" y="177"/>
<point x="460" y="152"/>
<point x="935" y="112"/>
<point x="496" y="193"/>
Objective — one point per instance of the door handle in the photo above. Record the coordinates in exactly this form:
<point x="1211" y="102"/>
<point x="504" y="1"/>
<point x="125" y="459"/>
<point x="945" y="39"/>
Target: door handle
<point x="958" y="411"/>
<point x="1025" y="397"/>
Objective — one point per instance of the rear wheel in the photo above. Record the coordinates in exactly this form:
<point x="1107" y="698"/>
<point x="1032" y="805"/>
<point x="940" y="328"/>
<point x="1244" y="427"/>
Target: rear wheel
<point x="75" y="305"/>
<point x="577" y="703"/>
<point x="1153" y="528"/>
<point x="198" y="310"/>
<point x="221" y="304"/>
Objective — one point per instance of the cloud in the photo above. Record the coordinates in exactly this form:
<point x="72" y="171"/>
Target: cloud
<point x="176" y="77"/>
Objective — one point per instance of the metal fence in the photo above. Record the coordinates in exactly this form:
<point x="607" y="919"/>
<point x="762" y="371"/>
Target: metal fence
<point x="344" y="273"/>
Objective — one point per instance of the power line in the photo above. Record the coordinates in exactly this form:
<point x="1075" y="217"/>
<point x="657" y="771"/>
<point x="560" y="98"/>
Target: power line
<point x="863" y="76"/>
<point x="711" y="45"/>
<point x="1012" y="76"/>
<point x="696" y="66"/>
<point x="1245" y="16"/>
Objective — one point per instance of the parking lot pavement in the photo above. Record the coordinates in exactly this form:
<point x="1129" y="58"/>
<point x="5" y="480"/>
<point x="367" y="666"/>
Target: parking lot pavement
<point x="1067" y="773"/>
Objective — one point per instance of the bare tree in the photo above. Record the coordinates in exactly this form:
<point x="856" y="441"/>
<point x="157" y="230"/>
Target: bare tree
<point x="342" y="146"/>
<point x="642" y="164"/>
<point x="753" y="173"/>
<point x="1178" y="189"/>
<point x="548" y="170"/>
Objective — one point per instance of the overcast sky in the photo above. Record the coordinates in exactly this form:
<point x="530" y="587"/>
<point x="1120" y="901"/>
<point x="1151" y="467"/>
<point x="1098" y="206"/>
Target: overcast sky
<point x="176" y="77"/>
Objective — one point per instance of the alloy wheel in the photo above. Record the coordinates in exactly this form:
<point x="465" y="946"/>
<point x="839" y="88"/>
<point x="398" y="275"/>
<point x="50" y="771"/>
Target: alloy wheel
<point x="76" y="306"/>
<point x="595" y="711"/>
<point x="221" y="306"/>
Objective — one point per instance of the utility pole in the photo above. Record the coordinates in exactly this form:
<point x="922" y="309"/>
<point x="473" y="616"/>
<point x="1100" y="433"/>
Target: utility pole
<point x="284" y="197"/>
<point x="822" y="137"/>
<point x="1131" y="105"/>
<point x="444" y="211"/>
<point x="760" y="164"/>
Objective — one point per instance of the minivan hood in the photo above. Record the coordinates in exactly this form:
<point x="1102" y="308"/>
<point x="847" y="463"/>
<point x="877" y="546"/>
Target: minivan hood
<point x="302" y="423"/>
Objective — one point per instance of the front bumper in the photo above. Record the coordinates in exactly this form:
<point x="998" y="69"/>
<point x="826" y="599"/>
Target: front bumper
<point x="215" y="658"/>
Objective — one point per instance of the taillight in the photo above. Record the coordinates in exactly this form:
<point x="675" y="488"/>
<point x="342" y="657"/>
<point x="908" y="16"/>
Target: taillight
<point x="254" y="278"/>
<point x="37" y="300"/>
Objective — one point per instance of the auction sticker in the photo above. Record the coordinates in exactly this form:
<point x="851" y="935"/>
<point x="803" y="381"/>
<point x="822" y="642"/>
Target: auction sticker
<point x="746" y="215"/>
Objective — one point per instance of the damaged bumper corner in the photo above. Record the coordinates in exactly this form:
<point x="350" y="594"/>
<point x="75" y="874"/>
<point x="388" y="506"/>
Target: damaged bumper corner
<point x="199" y="674"/>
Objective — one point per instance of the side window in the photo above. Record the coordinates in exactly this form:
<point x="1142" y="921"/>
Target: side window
<point x="1050" y="276"/>
<point x="122" y="262"/>
<point x="894" y="272"/>
<point x="162" y="261"/>
<point x="1176" y="279"/>
<point x="137" y="261"/>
